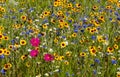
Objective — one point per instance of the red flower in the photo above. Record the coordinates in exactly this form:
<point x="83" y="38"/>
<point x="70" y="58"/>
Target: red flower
<point x="48" y="57"/>
<point x="35" y="42"/>
<point x="34" y="53"/>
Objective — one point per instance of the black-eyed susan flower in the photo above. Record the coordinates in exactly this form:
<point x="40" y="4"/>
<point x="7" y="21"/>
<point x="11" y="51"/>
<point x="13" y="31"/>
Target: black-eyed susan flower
<point x="6" y="38"/>
<point x="78" y="5"/>
<point x="68" y="53"/>
<point x="116" y="46"/>
<point x="1" y="36"/>
<point x="93" y="51"/>
<point x="1" y="28"/>
<point x="118" y="74"/>
<point x="95" y="7"/>
<point x="70" y="5"/>
<point x="7" y="66"/>
<point x="24" y="18"/>
<point x="23" y="57"/>
<point x="22" y="42"/>
<point x="56" y="3"/>
<point x="1" y="52"/>
<point x="100" y="38"/>
<point x="66" y="24"/>
<point x="7" y="52"/>
<point x="61" y="58"/>
<point x="46" y="13"/>
<point x="27" y="64"/>
<point x="61" y="26"/>
<point x="44" y="26"/>
<point x="66" y="63"/>
<point x="63" y="44"/>
<point x="82" y="54"/>
<point x="10" y="46"/>
<point x="110" y="49"/>
<point x="74" y="35"/>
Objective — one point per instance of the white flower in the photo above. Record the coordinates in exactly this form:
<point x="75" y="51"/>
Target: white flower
<point x="50" y="50"/>
<point x="46" y="74"/>
<point x="66" y="42"/>
<point x="38" y="75"/>
<point x="29" y="50"/>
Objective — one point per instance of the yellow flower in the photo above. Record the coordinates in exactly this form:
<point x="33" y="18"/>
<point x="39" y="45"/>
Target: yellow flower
<point x="100" y="38"/>
<point x="118" y="74"/>
<point x="1" y="28"/>
<point x="63" y="44"/>
<point x="69" y="5"/>
<point x="91" y="31"/>
<point x="94" y="7"/>
<point x="6" y="38"/>
<point x="23" y="57"/>
<point x="61" y="26"/>
<point x="66" y="63"/>
<point x="27" y="64"/>
<point x="6" y="52"/>
<point x="56" y="4"/>
<point x="68" y="53"/>
<point x="78" y="5"/>
<point x="110" y="49"/>
<point x="22" y="42"/>
<point x="61" y="57"/>
<point x="116" y="46"/>
<point x="1" y="36"/>
<point x="66" y="24"/>
<point x="7" y="66"/>
<point x="55" y="40"/>
<point x="46" y="13"/>
<point x="44" y="26"/>
<point x="23" y="18"/>
<point x="82" y="54"/>
<point x="74" y="35"/>
<point x="1" y="52"/>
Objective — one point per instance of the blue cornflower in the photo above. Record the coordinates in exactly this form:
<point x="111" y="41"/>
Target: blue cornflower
<point x="75" y="30"/>
<point x="3" y="71"/>
<point x="93" y="37"/>
<point x="39" y="35"/>
<point x="114" y="61"/>
<point x="2" y="56"/>
<point x="20" y="10"/>
<point x="97" y="61"/>
<point x="94" y="72"/>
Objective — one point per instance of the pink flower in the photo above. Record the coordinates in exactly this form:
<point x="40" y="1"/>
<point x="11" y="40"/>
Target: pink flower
<point x="34" y="53"/>
<point x="48" y="57"/>
<point x="35" y="42"/>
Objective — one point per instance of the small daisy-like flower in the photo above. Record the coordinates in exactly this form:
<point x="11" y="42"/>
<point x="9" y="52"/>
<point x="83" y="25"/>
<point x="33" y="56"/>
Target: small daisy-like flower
<point x="22" y="42"/>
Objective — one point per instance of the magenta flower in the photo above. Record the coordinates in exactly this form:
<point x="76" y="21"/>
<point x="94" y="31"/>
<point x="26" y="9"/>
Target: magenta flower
<point x="48" y="57"/>
<point x="35" y="42"/>
<point x="34" y="53"/>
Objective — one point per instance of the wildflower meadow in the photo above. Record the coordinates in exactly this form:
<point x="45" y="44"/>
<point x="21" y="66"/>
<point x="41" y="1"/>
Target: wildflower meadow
<point x="59" y="38"/>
